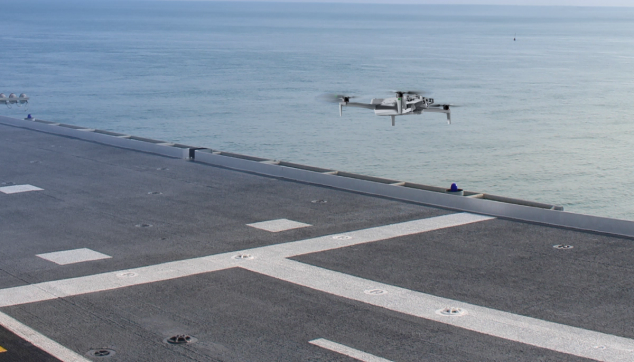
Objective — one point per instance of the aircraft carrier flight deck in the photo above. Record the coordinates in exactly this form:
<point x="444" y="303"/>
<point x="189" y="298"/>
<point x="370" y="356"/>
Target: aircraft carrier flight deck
<point x="120" y="248"/>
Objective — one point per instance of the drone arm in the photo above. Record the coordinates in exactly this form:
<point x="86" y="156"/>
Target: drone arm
<point x="355" y="104"/>
<point x="360" y="105"/>
<point x="441" y="109"/>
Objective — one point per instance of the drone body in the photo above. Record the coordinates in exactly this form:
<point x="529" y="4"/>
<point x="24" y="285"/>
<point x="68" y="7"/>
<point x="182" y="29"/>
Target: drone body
<point x="404" y="103"/>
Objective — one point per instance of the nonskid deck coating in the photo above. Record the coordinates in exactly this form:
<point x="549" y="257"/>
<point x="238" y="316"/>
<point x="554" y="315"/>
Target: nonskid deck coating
<point x="95" y="196"/>
<point x="238" y="315"/>
<point x="98" y="197"/>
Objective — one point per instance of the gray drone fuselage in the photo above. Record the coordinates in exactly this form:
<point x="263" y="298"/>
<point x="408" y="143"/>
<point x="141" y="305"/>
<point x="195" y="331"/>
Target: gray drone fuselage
<point x="407" y="104"/>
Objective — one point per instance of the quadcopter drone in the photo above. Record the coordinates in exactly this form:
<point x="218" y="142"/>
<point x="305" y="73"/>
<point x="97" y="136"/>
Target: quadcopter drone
<point x="405" y="103"/>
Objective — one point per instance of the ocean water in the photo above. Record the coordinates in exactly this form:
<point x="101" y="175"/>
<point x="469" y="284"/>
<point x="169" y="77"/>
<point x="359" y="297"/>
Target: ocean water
<point x="549" y="117"/>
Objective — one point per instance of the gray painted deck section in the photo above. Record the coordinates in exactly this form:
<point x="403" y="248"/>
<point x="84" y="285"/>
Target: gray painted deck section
<point x="97" y="194"/>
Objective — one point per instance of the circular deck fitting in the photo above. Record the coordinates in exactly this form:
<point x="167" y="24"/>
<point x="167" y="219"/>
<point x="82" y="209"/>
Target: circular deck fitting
<point x="375" y="291"/>
<point x="101" y="352"/>
<point x="563" y="247"/>
<point x="451" y="312"/>
<point x="319" y="201"/>
<point x="155" y="193"/>
<point x="127" y="275"/>
<point x="342" y="237"/>
<point x="144" y="225"/>
<point x="242" y="256"/>
<point x="180" y="339"/>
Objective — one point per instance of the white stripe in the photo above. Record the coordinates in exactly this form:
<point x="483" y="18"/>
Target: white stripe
<point x="343" y="240"/>
<point x="39" y="340"/>
<point x="182" y="268"/>
<point x="347" y="351"/>
<point x="14" y="189"/>
<point x="114" y="280"/>
<point x="271" y="260"/>
<point x="513" y="327"/>
<point x="66" y="257"/>
<point x="265" y="256"/>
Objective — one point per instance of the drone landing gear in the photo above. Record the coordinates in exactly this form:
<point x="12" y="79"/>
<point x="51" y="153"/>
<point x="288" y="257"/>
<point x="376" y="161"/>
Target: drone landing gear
<point x="393" y="120"/>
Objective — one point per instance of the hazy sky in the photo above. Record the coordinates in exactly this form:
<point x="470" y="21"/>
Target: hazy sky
<point x="628" y="3"/>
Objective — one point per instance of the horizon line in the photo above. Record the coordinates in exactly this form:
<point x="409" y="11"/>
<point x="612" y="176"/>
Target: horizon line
<point x="528" y="3"/>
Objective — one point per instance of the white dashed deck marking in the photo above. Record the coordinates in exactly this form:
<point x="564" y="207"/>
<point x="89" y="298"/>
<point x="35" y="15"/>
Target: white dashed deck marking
<point x="272" y="261"/>
<point x="14" y="189"/>
<point x="73" y="256"/>
<point x="278" y="225"/>
<point x="347" y="351"/>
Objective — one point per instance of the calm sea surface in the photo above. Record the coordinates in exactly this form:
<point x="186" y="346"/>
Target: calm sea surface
<point x="549" y="117"/>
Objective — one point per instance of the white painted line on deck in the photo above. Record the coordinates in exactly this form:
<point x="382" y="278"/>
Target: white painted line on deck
<point x="177" y="269"/>
<point x="347" y="351"/>
<point x="73" y="256"/>
<point x="14" y="189"/>
<point x="40" y="341"/>
<point x="553" y="336"/>
<point x="114" y="280"/>
<point x="272" y="261"/>
<point x="278" y="225"/>
<point x="328" y="242"/>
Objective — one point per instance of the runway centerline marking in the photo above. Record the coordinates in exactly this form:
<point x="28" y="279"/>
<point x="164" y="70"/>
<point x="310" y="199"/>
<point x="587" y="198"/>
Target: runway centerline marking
<point x="346" y="351"/>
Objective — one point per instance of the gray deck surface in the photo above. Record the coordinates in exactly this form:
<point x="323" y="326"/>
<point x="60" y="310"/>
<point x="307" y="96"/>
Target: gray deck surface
<point x="100" y="198"/>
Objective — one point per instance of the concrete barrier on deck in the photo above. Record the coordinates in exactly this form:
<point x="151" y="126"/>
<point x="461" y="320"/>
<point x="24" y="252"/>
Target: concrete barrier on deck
<point x="429" y="195"/>
<point x="549" y="216"/>
<point x="105" y="137"/>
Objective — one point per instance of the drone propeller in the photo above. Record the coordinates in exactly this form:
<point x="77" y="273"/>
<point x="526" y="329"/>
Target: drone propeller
<point x="413" y="92"/>
<point x="443" y="106"/>
<point x="335" y="98"/>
